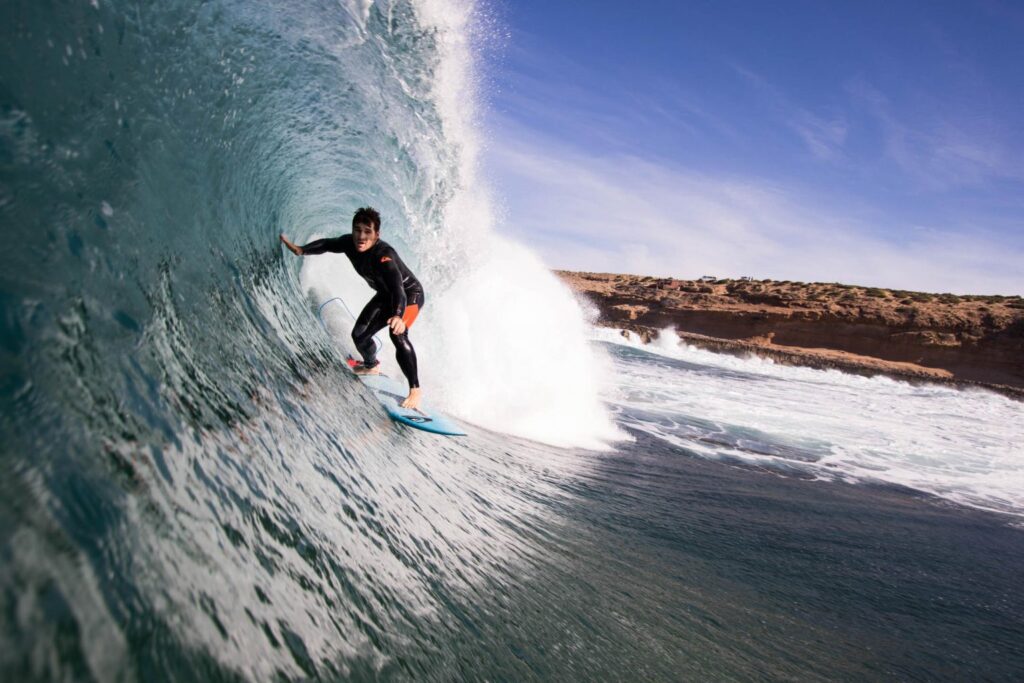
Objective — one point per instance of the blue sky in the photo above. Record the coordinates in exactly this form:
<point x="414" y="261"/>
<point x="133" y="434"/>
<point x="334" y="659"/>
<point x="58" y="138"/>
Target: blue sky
<point x="878" y="143"/>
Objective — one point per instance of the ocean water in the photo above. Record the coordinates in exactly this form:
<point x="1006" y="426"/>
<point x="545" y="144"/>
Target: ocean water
<point x="192" y="486"/>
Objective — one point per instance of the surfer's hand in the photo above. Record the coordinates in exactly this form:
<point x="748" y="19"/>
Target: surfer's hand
<point x="293" y="248"/>
<point x="396" y="324"/>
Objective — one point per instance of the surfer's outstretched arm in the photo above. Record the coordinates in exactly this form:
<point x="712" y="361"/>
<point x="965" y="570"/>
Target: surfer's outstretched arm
<point x="334" y="245"/>
<point x="294" y="248"/>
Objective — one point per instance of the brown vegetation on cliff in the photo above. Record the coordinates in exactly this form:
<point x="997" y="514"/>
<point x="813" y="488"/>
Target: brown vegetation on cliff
<point x="942" y="337"/>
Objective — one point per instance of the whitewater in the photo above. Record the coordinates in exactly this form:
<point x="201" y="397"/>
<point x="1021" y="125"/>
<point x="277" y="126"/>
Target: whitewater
<point x="194" y="487"/>
<point x="959" y="445"/>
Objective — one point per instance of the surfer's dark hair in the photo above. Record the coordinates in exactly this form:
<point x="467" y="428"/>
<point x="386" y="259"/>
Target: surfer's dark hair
<point x="367" y="216"/>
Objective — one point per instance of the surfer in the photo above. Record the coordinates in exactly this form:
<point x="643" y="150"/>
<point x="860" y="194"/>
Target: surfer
<point x="397" y="302"/>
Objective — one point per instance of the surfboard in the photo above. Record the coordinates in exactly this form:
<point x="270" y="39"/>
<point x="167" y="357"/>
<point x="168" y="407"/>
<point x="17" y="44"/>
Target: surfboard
<point x="337" y="321"/>
<point x="391" y="393"/>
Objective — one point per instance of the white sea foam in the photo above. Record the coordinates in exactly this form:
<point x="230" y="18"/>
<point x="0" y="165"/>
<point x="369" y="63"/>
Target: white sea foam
<point x="965" y="446"/>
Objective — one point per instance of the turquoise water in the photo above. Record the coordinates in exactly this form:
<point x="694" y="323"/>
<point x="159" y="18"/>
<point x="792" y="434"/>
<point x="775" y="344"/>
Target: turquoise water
<point x="192" y="486"/>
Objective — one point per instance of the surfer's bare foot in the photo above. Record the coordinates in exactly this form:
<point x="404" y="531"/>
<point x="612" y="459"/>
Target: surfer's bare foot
<point x="363" y="370"/>
<point x="413" y="399"/>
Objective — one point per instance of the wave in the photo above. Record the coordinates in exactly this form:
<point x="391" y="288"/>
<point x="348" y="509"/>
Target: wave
<point x="185" y="460"/>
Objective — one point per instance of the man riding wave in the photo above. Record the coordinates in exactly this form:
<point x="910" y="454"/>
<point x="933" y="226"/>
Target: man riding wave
<point x="396" y="304"/>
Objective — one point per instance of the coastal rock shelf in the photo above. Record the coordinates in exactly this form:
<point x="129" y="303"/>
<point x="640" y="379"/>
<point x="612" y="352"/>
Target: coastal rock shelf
<point x="947" y="338"/>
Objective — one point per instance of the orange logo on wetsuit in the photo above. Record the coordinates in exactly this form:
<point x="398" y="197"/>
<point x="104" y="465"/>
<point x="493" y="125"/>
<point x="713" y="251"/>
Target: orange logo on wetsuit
<point x="409" y="317"/>
<point x="385" y="259"/>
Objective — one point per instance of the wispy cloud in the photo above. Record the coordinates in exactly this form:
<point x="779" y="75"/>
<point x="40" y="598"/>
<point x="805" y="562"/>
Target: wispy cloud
<point x="823" y="136"/>
<point x="613" y="110"/>
<point x="937" y="144"/>
<point x="625" y="214"/>
<point x="938" y="149"/>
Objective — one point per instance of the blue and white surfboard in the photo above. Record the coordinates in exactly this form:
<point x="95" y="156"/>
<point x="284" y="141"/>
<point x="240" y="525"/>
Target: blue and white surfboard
<point x="337" y="319"/>
<point x="391" y="393"/>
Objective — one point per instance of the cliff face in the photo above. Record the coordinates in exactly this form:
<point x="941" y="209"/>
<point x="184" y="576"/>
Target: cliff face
<point x="969" y="339"/>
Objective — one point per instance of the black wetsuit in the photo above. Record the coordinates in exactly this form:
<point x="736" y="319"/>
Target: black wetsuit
<point x="397" y="291"/>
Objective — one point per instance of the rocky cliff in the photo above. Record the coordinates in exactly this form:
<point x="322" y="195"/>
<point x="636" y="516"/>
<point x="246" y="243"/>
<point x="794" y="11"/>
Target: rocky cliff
<point x="939" y="337"/>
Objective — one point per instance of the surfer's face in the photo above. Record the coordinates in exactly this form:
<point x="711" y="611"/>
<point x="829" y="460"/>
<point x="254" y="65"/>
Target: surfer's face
<point x="364" y="236"/>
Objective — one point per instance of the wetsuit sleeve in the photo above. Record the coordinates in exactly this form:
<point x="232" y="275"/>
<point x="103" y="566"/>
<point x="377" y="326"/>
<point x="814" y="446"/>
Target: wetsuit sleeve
<point x="388" y="267"/>
<point x="334" y="245"/>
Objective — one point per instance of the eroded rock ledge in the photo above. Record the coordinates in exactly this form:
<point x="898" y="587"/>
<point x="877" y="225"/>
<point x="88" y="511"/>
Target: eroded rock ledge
<point x="964" y="340"/>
